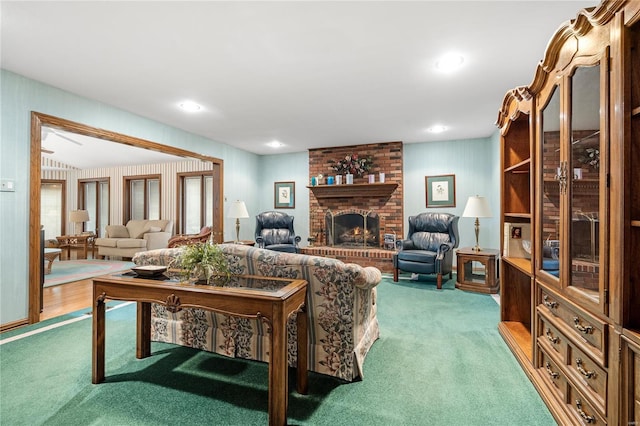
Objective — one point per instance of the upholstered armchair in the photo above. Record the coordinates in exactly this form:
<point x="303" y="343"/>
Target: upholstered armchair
<point x="274" y="231"/>
<point x="429" y="246"/>
<point x="186" y="239"/>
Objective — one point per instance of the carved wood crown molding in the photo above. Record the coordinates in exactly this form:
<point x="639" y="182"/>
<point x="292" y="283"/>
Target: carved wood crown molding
<point x="516" y="100"/>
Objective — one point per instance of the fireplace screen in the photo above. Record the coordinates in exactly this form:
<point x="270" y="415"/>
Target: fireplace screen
<point x="352" y="229"/>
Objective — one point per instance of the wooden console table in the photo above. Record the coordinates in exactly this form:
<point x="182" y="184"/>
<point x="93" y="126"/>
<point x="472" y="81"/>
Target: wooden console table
<point x="271" y="300"/>
<point x="467" y="280"/>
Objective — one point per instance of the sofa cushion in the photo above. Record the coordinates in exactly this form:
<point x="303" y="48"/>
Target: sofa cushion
<point x="422" y="256"/>
<point x="137" y="228"/>
<point x="154" y="229"/>
<point x="107" y="242"/>
<point x="117" y="231"/>
<point x="131" y="243"/>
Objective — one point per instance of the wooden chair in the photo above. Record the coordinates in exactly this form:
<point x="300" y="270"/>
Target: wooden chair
<point x="186" y="239"/>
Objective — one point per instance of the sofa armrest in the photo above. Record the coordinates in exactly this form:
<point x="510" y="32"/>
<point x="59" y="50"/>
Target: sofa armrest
<point x="371" y="278"/>
<point x="156" y="240"/>
<point x="443" y="249"/>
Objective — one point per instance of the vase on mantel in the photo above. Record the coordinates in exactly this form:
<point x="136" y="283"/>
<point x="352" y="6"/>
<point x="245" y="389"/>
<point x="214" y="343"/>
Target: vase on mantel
<point x="349" y="179"/>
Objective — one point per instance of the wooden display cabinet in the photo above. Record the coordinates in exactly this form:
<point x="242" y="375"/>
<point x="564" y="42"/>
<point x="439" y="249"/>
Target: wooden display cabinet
<point x="570" y="313"/>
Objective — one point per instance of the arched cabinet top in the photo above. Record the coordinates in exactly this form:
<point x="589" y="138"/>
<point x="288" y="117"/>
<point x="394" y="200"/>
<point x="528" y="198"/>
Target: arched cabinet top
<point x="559" y="53"/>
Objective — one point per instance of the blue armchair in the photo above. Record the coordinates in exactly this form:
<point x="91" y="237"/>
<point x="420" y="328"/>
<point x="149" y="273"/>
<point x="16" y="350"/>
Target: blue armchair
<point x="429" y="246"/>
<point x="274" y="231"/>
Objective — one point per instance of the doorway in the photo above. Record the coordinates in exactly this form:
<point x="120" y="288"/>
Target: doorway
<point x="38" y="121"/>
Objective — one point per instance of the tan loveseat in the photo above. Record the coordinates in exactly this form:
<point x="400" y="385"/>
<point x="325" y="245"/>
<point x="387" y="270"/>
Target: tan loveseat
<point x="341" y="304"/>
<point x="136" y="236"/>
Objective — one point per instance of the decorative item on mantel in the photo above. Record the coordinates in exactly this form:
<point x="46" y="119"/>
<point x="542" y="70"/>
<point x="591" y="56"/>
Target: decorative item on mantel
<point x="352" y="164"/>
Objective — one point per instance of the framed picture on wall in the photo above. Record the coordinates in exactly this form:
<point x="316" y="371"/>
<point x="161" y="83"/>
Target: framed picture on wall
<point x="284" y="195"/>
<point x="441" y="190"/>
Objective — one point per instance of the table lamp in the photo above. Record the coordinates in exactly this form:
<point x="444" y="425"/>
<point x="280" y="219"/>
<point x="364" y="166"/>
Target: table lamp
<point x="477" y="207"/>
<point x="78" y="216"/>
<point x="238" y="211"/>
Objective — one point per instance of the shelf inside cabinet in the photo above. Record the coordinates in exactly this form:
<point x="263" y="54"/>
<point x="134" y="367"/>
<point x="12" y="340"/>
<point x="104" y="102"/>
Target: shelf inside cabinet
<point x="635" y="223"/>
<point x="635" y="112"/>
<point x="518" y="337"/>
<point x="356" y="190"/>
<point x="521" y="263"/>
<point x="521" y="167"/>
<point x="517" y="215"/>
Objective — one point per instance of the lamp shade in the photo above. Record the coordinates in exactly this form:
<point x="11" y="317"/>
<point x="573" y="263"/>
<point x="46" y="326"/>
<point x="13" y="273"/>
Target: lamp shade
<point x="477" y="206"/>
<point x="237" y="210"/>
<point x="76" y="216"/>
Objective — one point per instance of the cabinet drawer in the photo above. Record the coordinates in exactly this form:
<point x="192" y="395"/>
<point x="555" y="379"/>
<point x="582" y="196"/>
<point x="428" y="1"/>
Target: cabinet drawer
<point x="576" y="324"/>
<point x="580" y="407"/>
<point x="588" y="373"/>
<point x="552" y="374"/>
<point x="550" y="337"/>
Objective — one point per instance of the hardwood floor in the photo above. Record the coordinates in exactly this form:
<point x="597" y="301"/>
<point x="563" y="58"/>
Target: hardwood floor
<point x="65" y="298"/>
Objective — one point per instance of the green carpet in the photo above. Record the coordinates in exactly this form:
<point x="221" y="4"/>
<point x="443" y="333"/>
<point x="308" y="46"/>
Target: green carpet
<point x="439" y="361"/>
<point x="67" y="271"/>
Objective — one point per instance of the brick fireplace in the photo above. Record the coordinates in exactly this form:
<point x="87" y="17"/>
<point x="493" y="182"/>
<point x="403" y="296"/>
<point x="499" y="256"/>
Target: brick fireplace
<point x="361" y="214"/>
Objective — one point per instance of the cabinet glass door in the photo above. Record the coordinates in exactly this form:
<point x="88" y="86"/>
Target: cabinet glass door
<point x="552" y="183"/>
<point x="585" y="202"/>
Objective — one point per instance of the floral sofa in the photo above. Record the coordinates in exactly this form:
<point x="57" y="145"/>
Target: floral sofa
<point x="341" y="304"/>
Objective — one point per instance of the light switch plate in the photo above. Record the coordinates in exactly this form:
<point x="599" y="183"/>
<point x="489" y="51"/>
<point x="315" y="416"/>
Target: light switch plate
<point x="7" y="185"/>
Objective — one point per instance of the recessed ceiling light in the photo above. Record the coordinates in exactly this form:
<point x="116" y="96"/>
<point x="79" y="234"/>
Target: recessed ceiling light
<point x="190" y="106"/>
<point x="275" y="144"/>
<point x="449" y="62"/>
<point x="437" y="129"/>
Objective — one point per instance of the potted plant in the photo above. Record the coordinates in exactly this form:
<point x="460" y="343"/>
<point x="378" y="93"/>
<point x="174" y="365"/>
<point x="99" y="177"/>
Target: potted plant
<point x="203" y="261"/>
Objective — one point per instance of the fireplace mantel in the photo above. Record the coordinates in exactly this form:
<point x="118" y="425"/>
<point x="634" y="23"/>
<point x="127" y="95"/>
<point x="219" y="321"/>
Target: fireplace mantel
<point x="356" y="190"/>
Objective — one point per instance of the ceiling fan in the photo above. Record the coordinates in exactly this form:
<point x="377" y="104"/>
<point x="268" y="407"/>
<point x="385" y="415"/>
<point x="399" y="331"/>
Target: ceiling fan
<point x="47" y="131"/>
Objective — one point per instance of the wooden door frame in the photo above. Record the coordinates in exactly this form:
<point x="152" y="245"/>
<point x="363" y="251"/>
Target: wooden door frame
<point x="35" y="169"/>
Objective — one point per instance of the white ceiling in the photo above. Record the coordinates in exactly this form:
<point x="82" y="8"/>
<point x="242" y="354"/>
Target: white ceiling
<point x="309" y="74"/>
<point x="85" y="152"/>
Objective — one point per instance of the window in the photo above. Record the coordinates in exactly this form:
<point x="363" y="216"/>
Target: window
<point x="142" y="197"/>
<point x="93" y="196"/>
<point x="195" y="201"/>
<point x="52" y="207"/>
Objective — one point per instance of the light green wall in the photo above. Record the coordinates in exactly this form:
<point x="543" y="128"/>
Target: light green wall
<point x="286" y="168"/>
<point x="473" y="162"/>
<point x="20" y="96"/>
<point x="247" y="176"/>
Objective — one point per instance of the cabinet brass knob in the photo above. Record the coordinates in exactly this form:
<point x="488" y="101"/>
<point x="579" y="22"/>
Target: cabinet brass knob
<point x="550" y="337"/>
<point x="587" y="418"/>
<point x="551" y="373"/>
<point x="586" y="373"/>
<point x="585" y="329"/>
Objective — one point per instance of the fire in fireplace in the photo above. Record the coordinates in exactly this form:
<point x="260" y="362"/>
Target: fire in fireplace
<point x="352" y="228"/>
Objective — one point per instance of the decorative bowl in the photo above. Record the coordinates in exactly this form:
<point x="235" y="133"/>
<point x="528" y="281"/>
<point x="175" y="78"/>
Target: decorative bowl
<point x="149" y="270"/>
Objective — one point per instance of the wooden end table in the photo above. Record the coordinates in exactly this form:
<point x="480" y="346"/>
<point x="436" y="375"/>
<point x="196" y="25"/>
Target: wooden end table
<point x="81" y="240"/>
<point x="271" y="300"/>
<point x="470" y="281"/>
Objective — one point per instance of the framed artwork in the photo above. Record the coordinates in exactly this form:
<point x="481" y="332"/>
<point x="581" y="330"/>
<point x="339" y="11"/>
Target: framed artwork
<point x="284" y="195"/>
<point x="441" y="190"/>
